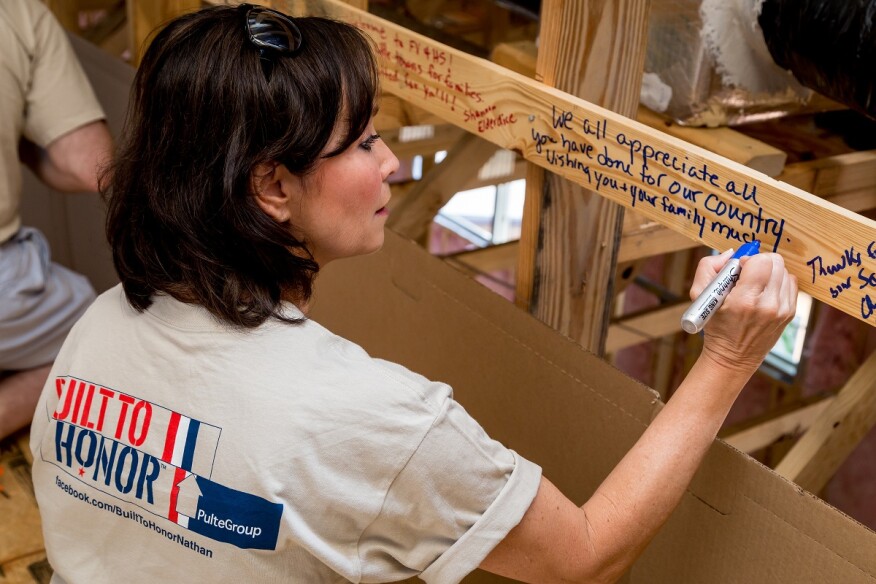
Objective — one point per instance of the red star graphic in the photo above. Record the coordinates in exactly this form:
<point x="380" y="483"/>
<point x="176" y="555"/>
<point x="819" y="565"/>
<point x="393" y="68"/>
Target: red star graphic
<point x="81" y="471"/>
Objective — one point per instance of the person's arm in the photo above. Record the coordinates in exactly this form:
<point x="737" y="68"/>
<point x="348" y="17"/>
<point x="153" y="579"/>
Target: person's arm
<point x="73" y="161"/>
<point x="559" y="542"/>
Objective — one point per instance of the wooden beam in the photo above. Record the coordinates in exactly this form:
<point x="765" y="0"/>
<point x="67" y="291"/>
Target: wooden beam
<point x="858" y="200"/>
<point x="487" y="259"/>
<point x="476" y="182"/>
<point x="646" y="325"/>
<point x="650" y="239"/>
<point x="835" y="174"/>
<point x="145" y="17"/>
<point x="846" y="180"/>
<point x="694" y="192"/>
<point x="678" y="267"/>
<point x="413" y="215"/>
<point x="521" y="57"/>
<point x="775" y="425"/>
<point x="724" y="141"/>
<point x="835" y="434"/>
<point x="443" y="137"/>
<point x="395" y="112"/>
<point x="595" y="50"/>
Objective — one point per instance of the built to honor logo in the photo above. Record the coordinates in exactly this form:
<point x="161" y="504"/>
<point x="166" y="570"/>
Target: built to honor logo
<point x="155" y="458"/>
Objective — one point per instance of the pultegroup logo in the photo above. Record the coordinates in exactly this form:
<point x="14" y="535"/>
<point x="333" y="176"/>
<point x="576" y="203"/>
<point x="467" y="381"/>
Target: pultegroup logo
<point x="157" y="459"/>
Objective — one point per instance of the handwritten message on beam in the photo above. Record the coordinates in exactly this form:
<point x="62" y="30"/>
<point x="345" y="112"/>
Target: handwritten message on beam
<point x="704" y="196"/>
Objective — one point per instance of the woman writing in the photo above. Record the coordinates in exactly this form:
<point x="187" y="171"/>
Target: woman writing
<point x="196" y="417"/>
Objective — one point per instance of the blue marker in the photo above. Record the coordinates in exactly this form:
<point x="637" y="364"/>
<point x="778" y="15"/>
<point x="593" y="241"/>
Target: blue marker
<point x="712" y="297"/>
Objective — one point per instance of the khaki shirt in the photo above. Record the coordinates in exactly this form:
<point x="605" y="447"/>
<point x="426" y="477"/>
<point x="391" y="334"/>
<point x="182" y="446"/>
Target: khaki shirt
<point x="44" y="94"/>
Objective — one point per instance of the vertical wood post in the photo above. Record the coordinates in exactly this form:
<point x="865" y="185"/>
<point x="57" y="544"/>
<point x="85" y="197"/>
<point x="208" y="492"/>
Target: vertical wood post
<point x="594" y="49"/>
<point x="145" y="16"/>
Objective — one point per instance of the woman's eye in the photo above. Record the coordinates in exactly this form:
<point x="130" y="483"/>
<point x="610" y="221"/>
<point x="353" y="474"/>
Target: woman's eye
<point x="369" y="142"/>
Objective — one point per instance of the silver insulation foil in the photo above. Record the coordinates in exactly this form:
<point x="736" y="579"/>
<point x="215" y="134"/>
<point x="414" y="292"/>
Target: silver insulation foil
<point x="707" y="65"/>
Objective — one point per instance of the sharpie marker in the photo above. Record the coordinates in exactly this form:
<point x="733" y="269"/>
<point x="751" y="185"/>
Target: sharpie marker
<point x="710" y="300"/>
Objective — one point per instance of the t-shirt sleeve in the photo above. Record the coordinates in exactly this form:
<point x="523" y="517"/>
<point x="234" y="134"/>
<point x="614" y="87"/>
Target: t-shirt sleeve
<point x="59" y="97"/>
<point x="457" y="497"/>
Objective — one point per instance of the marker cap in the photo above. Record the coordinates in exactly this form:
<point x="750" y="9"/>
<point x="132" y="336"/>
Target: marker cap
<point x="747" y="249"/>
<point x="709" y="301"/>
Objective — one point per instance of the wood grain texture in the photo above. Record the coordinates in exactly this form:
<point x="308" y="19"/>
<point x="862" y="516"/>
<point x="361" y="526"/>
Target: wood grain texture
<point x="594" y="50"/>
<point x="826" y="246"/>
<point x="778" y="425"/>
<point x="648" y="325"/>
<point x="412" y="216"/>
<point x="846" y="180"/>
<point x="145" y="17"/>
<point x="834" y="435"/>
<point x="521" y="57"/>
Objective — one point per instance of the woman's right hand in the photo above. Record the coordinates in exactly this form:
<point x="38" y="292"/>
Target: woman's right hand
<point x="754" y="314"/>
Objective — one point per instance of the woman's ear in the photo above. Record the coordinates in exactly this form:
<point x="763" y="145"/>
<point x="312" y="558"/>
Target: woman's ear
<point x="273" y="189"/>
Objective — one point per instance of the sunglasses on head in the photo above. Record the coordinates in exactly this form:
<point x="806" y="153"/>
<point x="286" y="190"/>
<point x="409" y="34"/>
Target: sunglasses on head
<point x="272" y="33"/>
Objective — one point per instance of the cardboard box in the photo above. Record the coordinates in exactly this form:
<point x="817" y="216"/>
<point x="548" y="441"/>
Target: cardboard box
<point x="576" y="416"/>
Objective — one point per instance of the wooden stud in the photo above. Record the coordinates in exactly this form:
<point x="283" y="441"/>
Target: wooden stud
<point x="724" y="141"/>
<point x="646" y="325"/>
<point x="145" y="17"/>
<point x="819" y="453"/>
<point x="412" y="217"/>
<point x="443" y="137"/>
<point x="595" y="50"/>
<point x="485" y="260"/>
<point x="846" y="180"/>
<point x="650" y="239"/>
<point x="763" y="432"/>
<point x="677" y="271"/>
<point x="835" y="174"/>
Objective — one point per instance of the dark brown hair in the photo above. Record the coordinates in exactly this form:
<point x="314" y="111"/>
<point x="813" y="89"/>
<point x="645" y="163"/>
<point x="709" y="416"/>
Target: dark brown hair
<point x="181" y="216"/>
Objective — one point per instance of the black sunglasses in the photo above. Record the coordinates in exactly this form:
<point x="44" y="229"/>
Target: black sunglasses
<point x="272" y="33"/>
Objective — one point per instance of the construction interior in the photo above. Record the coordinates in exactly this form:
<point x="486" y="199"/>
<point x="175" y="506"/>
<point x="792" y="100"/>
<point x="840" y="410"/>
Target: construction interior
<point x="495" y="108"/>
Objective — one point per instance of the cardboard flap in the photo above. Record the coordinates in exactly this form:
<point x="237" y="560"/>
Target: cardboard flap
<point x="576" y="416"/>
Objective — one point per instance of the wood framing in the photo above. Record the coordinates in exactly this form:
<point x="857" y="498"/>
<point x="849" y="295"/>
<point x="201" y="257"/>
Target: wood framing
<point x="676" y="270"/>
<point x="846" y="180"/>
<point x="818" y="454"/>
<point x="570" y="235"/>
<point x="436" y="138"/>
<point x="763" y="432"/>
<point x="650" y="239"/>
<point x="521" y="57"/>
<point x="412" y="216"/>
<point x="724" y="141"/>
<point x="686" y="188"/>
<point x="485" y="260"/>
<point x="145" y="16"/>
<point x="643" y="326"/>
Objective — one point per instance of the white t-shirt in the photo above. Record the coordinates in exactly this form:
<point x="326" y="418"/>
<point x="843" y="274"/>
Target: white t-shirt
<point x="169" y="447"/>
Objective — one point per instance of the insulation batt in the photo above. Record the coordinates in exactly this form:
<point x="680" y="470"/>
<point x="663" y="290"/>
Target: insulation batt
<point x="829" y="46"/>
<point x="735" y="42"/>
